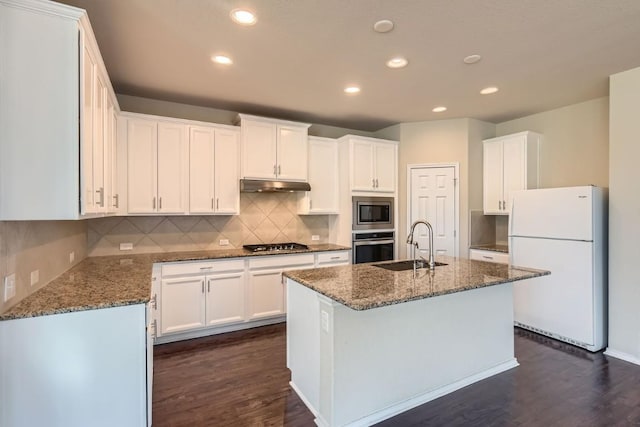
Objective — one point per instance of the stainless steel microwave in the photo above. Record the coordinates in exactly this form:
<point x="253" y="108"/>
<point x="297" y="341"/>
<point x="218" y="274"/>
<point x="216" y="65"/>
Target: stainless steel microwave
<point x="372" y="213"/>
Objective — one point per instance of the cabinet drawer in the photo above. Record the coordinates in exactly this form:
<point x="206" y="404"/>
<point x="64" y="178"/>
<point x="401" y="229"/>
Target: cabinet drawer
<point x="332" y="257"/>
<point x="204" y="267"/>
<point x="281" y="261"/>
<point x="489" y="256"/>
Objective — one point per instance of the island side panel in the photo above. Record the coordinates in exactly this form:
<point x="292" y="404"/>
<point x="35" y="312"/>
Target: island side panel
<point x="303" y="343"/>
<point x="377" y="363"/>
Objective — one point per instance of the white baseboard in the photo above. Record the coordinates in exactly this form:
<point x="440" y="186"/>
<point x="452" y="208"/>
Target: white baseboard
<point x="199" y="333"/>
<point x="304" y="399"/>
<point x="622" y="356"/>
<point x="400" y="407"/>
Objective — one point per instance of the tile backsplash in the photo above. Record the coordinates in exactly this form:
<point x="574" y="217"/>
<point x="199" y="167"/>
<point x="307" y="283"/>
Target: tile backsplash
<point x="26" y="246"/>
<point x="263" y="218"/>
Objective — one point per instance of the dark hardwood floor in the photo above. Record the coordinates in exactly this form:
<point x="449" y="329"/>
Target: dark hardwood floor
<point x="240" y="379"/>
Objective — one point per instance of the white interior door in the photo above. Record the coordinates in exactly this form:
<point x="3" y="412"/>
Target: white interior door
<point x="432" y="198"/>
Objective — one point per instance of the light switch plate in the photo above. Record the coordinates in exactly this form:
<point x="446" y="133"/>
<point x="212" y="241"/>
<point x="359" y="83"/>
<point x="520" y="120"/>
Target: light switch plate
<point x="9" y="287"/>
<point x="72" y="257"/>
<point x="126" y="246"/>
<point x="35" y="277"/>
<point x="224" y="242"/>
<point x="315" y="237"/>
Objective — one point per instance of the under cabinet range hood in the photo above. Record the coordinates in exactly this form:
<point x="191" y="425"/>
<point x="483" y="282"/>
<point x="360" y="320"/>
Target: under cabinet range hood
<point x="263" y="186"/>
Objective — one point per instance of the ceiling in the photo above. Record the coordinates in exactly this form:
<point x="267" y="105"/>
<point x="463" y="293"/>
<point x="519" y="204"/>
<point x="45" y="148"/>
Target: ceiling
<point x="296" y="60"/>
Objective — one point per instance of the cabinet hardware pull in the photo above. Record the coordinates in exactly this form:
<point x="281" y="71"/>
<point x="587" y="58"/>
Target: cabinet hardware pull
<point x="212" y="203"/>
<point x="274" y="169"/>
<point x="377" y="185"/>
<point x="209" y="286"/>
<point x="116" y="201"/>
<point x="160" y="203"/>
<point x="206" y="268"/>
<point x="155" y="329"/>
<point x="154" y="203"/>
<point x="504" y="205"/>
<point x="217" y="204"/>
<point x="373" y="183"/>
<point x="335" y="257"/>
<point x="279" y="170"/>
<point x="154" y="302"/>
<point x="101" y="194"/>
<point x="202" y="282"/>
<point x="487" y="257"/>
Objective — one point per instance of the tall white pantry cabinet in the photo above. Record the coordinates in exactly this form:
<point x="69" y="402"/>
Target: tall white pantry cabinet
<point x="53" y="77"/>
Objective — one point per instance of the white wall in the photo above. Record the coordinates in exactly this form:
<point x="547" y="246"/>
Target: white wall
<point x="624" y="216"/>
<point x="575" y="149"/>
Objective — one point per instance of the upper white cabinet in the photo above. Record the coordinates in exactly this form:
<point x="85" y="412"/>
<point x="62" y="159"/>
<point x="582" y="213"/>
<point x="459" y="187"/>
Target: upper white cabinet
<point x="372" y="164"/>
<point x="273" y="149"/>
<point x="51" y="165"/>
<point x="510" y="163"/>
<point x="214" y="163"/>
<point x="323" y="178"/>
<point x="157" y="166"/>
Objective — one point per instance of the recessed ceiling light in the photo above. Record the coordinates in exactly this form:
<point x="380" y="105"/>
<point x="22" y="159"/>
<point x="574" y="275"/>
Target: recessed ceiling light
<point x="352" y="90"/>
<point x="489" y="90"/>
<point x="221" y="59"/>
<point x="383" y="26"/>
<point x="472" y="59"/>
<point x="397" y="62"/>
<point x="439" y="109"/>
<point x="243" y="16"/>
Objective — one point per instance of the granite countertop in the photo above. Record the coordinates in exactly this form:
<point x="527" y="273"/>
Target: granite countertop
<point x="492" y="247"/>
<point x="363" y="286"/>
<point x="112" y="281"/>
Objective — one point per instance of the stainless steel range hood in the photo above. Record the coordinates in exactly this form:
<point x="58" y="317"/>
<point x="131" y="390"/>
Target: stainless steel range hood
<point x="260" y="186"/>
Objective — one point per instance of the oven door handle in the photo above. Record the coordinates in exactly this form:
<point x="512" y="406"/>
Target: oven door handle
<point x="372" y="242"/>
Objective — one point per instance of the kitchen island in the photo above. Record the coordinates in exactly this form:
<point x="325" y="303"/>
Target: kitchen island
<point x="365" y="343"/>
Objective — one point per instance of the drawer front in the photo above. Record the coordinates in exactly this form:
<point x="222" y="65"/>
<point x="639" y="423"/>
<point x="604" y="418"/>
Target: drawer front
<point x="333" y="257"/>
<point x="201" y="267"/>
<point x="489" y="256"/>
<point x="284" y="261"/>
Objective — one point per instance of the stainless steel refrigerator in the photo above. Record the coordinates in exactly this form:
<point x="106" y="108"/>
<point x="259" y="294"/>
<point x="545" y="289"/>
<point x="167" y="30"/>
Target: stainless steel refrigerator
<point x="563" y="230"/>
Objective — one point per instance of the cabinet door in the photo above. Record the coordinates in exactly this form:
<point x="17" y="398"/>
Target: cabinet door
<point x="514" y="168"/>
<point x="385" y="167"/>
<point x="172" y="167"/>
<point x="227" y="162"/>
<point x="292" y="153"/>
<point x="225" y="298"/>
<point x="183" y="304"/>
<point x="362" y="166"/>
<point x="142" y="179"/>
<point x="99" y="130"/>
<point x="258" y="150"/>
<point x="201" y="170"/>
<point x="489" y="256"/>
<point x="87" y="116"/>
<point x="266" y="294"/>
<point x="111" y="165"/>
<point x="492" y="177"/>
<point x="323" y="178"/>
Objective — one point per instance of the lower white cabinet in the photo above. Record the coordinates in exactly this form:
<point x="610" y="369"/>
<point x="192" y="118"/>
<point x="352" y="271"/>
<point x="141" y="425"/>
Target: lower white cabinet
<point x="489" y="256"/>
<point x="266" y="288"/>
<point x="199" y="294"/>
<point x="197" y="298"/>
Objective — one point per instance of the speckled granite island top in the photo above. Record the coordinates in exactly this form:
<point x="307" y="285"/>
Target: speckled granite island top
<point x="112" y="281"/>
<point x="364" y="286"/>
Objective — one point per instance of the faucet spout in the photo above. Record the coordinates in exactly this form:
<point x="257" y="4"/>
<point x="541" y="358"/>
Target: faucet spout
<point x="432" y="262"/>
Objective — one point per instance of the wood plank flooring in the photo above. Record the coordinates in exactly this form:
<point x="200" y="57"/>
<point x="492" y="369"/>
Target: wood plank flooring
<point x="240" y="379"/>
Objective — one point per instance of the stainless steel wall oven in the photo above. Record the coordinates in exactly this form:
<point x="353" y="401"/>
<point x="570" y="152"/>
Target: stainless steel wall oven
<point x="372" y="247"/>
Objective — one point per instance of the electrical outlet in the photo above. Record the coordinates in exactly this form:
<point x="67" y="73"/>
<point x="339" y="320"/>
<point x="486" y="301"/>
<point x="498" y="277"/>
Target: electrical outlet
<point x="315" y="237"/>
<point x="9" y="287"/>
<point x="224" y="242"/>
<point x="35" y="277"/>
<point x="126" y="246"/>
<point x="72" y="257"/>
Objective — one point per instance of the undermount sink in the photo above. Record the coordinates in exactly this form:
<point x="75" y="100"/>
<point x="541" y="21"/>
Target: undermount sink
<point x="405" y="265"/>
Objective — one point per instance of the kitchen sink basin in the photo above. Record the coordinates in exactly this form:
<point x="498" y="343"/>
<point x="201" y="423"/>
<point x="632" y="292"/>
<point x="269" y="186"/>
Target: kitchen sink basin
<point x="405" y="265"/>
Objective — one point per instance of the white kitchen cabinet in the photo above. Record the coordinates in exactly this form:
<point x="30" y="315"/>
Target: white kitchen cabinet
<point x="52" y="136"/>
<point x="157" y="166"/>
<point x="214" y="170"/>
<point x="372" y="164"/>
<point x="333" y="259"/>
<point x="510" y="163"/>
<point x="323" y="179"/>
<point x="266" y="287"/>
<point x="489" y="256"/>
<point x="273" y="149"/>
<point x="199" y="294"/>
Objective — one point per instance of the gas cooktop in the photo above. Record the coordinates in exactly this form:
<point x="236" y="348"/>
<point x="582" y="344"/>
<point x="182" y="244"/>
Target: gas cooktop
<point x="273" y="247"/>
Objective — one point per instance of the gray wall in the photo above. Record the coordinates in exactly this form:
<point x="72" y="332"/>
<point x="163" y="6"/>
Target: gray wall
<point x="624" y="214"/>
